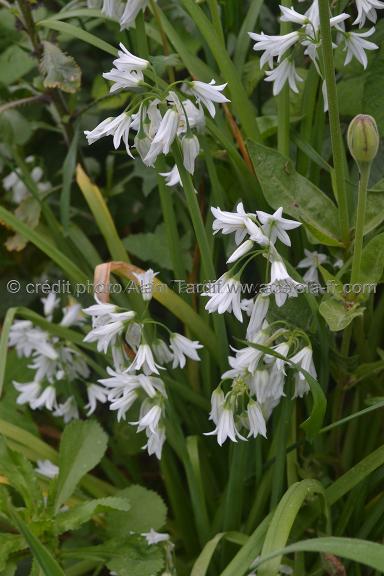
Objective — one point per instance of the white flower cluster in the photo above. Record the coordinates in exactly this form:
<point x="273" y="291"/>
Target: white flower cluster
<point x="158" y="120"/>
<point x="257" y="377"/>
<point x="138" y="361"/>
<point x="278" y="51"/>
<point x="14" y="182"/>
<point x="123" y="12"/>
<point x="56" y="364"/>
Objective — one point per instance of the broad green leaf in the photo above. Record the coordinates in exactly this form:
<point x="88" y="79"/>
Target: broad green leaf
<point x="147" y="511"/>
<point x="339" y="313"/>
<point x="82" y="446"/>
<point x="138" y="560"/>
<point x="153" y="247"/>
<point x="373" y="95"/>
<point x="367" y="553"/>
<point x="283" y="519"/>
<point x="43" y="556"/>
<point x="60" y="70"/>
<point x="14" y="64"/>
<point x="74" y="517"/>
<point x="283" y="186"/>
<point x="350" y="92"/>
<point x="372" y="261"/>
<point x="15" y="129"/>
<point x="77" y="32"/>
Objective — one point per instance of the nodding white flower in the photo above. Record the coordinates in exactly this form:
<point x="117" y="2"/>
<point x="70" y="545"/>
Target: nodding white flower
<point x="122" y="79"/>
<point x="284" y="72"/>
<point x="273" y="46"/>
<point x="146" y="283"/>
<point x="144" y="360"/>
<point x="118" y="126"/>
<point x="256" y="420"/>
<point x="281" y="282"/>
<point x="224" y="296"/>
<point x="259" y="384"/>
<point x="312" y="261"/>
<point x="226" y="427"/>
<point x="133" y="334"/>
<point x="338" y="263"/>
<point x="155" y="442"/>
<point x="29" y="391"/>
<point x="127" y="61"/>
<point x="72" y="315"/>
<point x="355" y="45"/>
<point x="366" y="10"/>
<point x="208" y="94"/>
<point x="304" y="359"/>
<point x="217" y="405"/>
<point x="290" y="15"/>
<point x="50" y="302"/>
<point x="46" y="368"/>
<point x="229" y="222"/>
<point x="274" y="225"/>
<point x="27" y="339"/>
<point x="68" y="411"/>
<point x="105" y="334"/>
<point x="122" y="402"/>
<point x="150" y="417"/>
<point x="47" y="399"/>
<point x="258" y="314"/>
<point x="164" y="138"/>
<point x="249" y="357"/>
<point x="47" y="468"/>
<point x="276" y="383"/>
<point x="182" y="347"/>
<point x="191" y="148"/>
<point x="195" y="115"/>
<point x="172" y="178"/>
<point x="161" y="351"/>
<point x="112" y="8"/>
<point x="243" y="249"/>
<point x="95" y="394"/>
<point x="279" y="363"/>
<point x="153" y="537"/>
<point x="131" y="10"/>
<point x="100" y="310"/>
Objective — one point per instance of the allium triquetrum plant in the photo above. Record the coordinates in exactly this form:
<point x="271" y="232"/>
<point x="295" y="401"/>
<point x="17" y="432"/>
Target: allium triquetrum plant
<point x="191" y="355"/>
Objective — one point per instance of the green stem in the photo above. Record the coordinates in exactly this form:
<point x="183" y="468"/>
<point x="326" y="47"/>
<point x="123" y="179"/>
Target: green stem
<point x="209" y="272"/>
<point x="141" y="36"/>
<point x="170" y="222"/>
<point x="283" y="103"/>
<point x="216" y="19"/>
<point x="334" y="119"/>
<point x="360" y="221"/>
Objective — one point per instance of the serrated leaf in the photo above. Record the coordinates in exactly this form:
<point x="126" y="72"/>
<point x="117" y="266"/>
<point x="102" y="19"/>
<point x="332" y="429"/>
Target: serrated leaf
<point x="61" y="70"/>
<point x="9" y="544"/>
<point x="147" y="511"/>
<point x="75" y="517"/>
<point x="337" y="313"/>
<point x="283" y="186"/>
<point x="138" y="560"/>
<point x="82" y="446"/>
<point x="20" y="475"/>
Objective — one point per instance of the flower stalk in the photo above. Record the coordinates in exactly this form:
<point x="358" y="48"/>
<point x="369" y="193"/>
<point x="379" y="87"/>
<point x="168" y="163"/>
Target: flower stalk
<point x="334" y="119"/>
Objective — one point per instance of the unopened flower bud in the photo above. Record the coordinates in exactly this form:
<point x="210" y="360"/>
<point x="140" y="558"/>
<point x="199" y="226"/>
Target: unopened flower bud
<point x="363" y="139"/>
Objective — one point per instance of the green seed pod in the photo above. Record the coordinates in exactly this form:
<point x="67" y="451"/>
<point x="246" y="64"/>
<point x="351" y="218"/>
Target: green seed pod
<point x="363" y="139"/>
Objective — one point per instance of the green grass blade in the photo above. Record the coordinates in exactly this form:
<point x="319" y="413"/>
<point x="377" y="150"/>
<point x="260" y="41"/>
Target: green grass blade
<point x="68" y="173"/>
<point x="77" y="32"/>
<point x="368" y="553"/>
<point x="248" y="25"/>
<point x="8" y="321"/>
